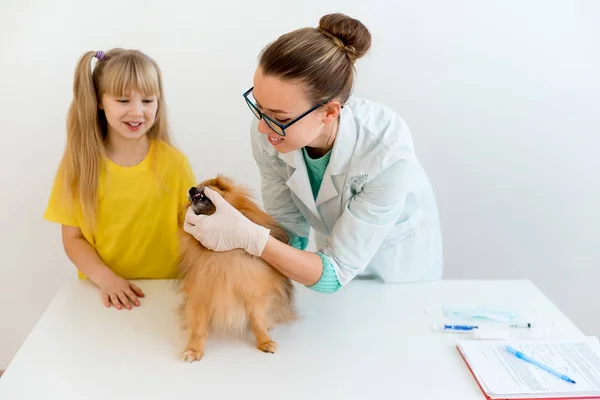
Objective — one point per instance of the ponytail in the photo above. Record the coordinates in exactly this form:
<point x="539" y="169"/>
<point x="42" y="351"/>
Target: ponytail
<point x="84" y="150"/>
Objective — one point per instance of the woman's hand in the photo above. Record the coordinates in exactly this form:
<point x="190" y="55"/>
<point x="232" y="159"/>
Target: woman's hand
<point x="226" y="229"/>
<point x="118" y="291"/>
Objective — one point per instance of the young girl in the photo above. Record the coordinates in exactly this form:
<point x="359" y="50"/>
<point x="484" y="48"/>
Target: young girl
<point x="121" y="186"/>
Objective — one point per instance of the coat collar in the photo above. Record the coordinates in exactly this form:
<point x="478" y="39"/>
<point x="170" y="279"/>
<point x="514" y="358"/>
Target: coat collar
<point x="339" y="163"/>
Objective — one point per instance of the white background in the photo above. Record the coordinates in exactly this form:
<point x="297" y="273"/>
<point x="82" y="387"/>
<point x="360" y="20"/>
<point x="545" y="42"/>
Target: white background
<point x="502" y="98"/>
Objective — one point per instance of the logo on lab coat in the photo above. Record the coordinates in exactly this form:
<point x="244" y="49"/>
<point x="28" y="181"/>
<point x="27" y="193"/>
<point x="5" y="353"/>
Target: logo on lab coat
<point x="356" y="181"/>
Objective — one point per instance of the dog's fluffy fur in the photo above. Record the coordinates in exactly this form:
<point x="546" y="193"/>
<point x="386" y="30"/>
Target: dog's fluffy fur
<point x="228" y="292"/>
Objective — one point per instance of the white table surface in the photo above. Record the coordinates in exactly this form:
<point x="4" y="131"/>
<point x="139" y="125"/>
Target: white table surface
<point x="369" y="339"/>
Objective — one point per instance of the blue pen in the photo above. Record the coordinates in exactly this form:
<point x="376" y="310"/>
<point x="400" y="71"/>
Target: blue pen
<point x="448" y="327"/>
<point x="523" y="357"/>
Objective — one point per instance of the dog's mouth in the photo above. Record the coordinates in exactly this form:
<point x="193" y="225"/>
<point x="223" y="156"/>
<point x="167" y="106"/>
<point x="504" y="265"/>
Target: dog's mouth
<point x="201" y="204"/>
<point x="198" y="197"/>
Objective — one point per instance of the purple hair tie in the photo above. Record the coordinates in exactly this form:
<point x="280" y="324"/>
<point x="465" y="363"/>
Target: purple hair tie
<point x="100" y="55"/>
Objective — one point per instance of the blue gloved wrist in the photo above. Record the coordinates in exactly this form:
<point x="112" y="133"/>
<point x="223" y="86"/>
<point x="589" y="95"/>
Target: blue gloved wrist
<point x="298" y="242"/>
<point x="328" y="283"/>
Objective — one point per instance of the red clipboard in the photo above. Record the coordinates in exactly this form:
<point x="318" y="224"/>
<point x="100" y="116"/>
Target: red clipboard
<point x="515" y="398"/>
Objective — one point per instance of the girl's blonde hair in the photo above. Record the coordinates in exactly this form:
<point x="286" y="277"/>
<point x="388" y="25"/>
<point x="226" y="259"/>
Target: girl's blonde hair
<point x="116" y="73"/>
<point x="322" y="58"/>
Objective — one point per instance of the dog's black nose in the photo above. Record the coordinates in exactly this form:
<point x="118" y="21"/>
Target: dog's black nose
<point x="193" y="191"/>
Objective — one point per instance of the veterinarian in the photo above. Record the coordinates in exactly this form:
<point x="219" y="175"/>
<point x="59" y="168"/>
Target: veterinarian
<point x="344" y="166"/>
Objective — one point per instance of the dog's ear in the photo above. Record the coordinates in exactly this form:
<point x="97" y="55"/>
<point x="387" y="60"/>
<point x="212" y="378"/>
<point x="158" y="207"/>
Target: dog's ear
<point x="224" y="183"/>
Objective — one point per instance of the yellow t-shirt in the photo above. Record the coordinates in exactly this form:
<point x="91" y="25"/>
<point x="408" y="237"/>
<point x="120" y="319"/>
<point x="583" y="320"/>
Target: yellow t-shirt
<point x="140" y="209"/>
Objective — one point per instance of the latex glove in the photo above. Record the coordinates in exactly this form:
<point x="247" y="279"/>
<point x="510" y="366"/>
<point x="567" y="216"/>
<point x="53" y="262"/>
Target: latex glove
<point x="226" y="229"/>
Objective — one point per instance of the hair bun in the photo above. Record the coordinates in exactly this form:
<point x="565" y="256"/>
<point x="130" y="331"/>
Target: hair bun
<point x="355" y="38"/>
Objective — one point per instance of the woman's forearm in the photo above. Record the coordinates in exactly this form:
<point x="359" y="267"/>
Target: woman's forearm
<point x="301" y="266"/>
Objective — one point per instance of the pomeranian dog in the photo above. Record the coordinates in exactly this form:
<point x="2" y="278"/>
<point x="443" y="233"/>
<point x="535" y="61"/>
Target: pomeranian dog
<point x="229" y="292"/>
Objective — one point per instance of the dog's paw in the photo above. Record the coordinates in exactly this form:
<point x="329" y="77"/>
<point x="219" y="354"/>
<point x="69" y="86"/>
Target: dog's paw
<point x="268" y="347"/>
<point x="192" y="355"/>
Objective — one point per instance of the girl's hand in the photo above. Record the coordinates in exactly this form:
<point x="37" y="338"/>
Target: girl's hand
<point x="118" y="291"/>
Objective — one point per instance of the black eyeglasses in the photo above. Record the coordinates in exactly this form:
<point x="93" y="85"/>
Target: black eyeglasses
<point x="274" y="125"/>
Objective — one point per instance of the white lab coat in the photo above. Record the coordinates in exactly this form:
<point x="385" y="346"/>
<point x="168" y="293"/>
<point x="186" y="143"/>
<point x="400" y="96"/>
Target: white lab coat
<point x="375" y="214"/>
